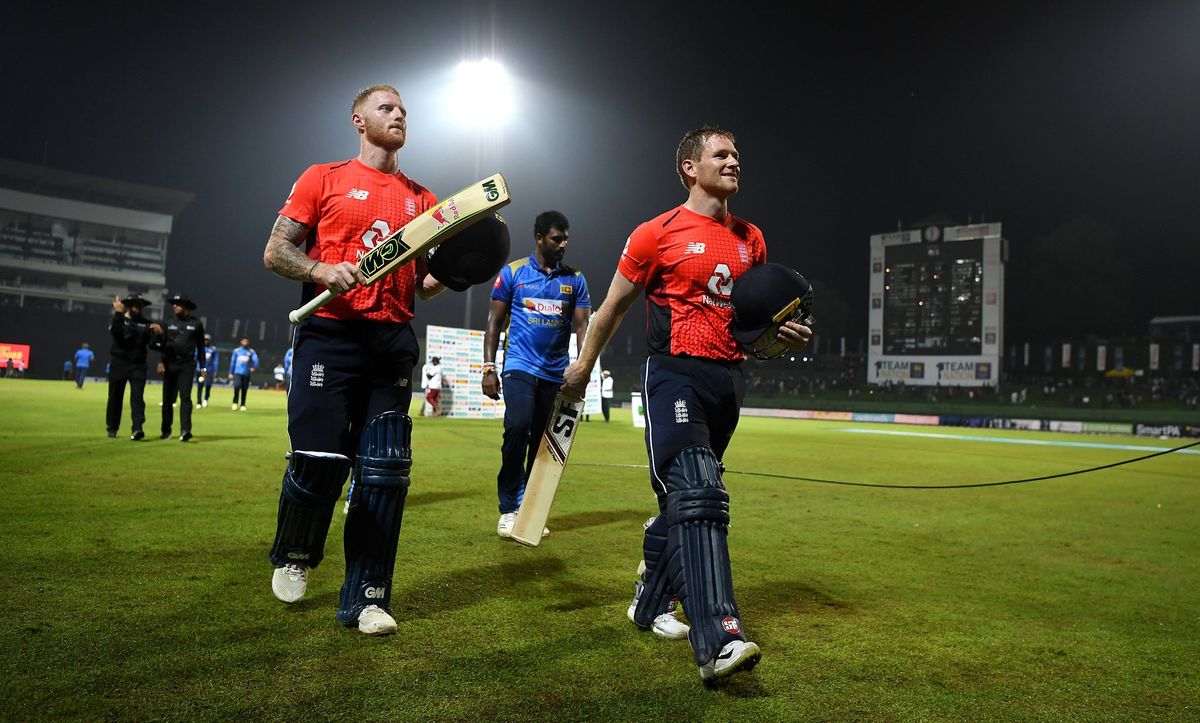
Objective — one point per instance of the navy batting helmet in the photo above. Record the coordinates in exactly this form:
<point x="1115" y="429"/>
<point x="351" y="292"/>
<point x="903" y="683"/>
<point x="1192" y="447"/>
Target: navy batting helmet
<point x="473" y="255"/>
<point x="764" y="298"/>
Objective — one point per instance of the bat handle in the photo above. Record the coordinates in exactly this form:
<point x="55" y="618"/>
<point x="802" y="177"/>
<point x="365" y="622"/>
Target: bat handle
<point x="298" y="315"/>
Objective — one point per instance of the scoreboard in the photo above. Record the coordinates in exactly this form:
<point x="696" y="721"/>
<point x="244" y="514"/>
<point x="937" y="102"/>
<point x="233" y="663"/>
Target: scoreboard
<point x="936" y="305"/>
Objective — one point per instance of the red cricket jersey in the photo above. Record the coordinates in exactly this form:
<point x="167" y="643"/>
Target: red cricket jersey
<point x="349" y="208"/>
<point x="687" y="262"/>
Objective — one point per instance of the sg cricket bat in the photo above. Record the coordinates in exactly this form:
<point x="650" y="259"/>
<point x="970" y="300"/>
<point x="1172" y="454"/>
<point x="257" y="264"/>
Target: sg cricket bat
<point x="449" y="216"/>
<point x="547" y="470"/>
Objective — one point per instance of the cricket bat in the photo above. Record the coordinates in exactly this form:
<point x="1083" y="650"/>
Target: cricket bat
<point x="547" y="470"/>
<point x="449" y="216"/>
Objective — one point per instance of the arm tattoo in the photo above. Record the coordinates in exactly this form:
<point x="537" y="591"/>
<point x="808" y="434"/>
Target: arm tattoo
<point x="283" y="255"/>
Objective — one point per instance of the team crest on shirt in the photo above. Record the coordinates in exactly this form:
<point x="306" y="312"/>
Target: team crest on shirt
<point x="566" y="289"/>
<point x="410" y="207"/>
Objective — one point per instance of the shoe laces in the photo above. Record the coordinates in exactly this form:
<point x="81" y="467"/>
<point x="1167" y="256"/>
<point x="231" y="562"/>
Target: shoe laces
<point x="293" y="570"/>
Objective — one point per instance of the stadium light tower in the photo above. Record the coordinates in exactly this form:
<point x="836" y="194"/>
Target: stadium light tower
<point x="480" y="99"/>
<point x="482" y="96"/>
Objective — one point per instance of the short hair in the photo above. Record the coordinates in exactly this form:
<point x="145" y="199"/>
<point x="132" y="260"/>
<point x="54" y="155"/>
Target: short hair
<point x="547" y="220"/>
<point x="692" y="147"/>
<point x="366" y="92"/>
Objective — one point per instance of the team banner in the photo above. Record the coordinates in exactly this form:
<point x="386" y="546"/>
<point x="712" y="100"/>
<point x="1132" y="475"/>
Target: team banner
<point x="461" y="352"/>
<point x="17" y="353"/>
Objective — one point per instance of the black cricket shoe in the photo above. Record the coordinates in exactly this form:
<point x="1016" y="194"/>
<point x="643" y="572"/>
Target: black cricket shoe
<point x="112" y="434"/>
<point x="185" y="436"/>
<point x="137" y="435"/>
<point x="165" y="435"/>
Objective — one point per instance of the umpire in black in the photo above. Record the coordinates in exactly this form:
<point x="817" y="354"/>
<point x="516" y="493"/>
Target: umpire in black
<point x="131" y="333"/>
<point x="182" y="347"/>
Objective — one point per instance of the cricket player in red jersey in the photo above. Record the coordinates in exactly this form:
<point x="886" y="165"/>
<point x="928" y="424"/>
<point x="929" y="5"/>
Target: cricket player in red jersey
<point x="352" y="365"/>
<point x="686" y="261"/>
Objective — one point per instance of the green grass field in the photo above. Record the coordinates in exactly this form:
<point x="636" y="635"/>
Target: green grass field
<point x="134" y="583"/>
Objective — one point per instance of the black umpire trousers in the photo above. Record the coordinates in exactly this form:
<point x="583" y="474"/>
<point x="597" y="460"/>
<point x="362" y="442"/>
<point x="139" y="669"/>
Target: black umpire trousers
<point x="121" y="373"/>
<point x="177" y="380"/>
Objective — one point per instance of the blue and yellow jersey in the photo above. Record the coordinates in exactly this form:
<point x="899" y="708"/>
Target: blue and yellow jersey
<point x="541" y="313"/>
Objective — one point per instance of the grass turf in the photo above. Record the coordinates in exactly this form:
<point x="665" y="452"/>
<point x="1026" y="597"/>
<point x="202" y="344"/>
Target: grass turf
<point x="134" y="582"/>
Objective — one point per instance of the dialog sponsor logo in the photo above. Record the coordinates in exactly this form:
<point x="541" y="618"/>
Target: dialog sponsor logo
<point x="545" y="307"/>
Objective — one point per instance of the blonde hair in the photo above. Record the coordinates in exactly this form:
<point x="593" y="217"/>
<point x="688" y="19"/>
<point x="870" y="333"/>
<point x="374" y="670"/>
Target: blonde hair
<point x="366" y="93"/>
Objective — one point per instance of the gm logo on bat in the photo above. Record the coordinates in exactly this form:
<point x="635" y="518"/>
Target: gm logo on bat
<point x="490" y="191"/>
<point x="379" y="257"/>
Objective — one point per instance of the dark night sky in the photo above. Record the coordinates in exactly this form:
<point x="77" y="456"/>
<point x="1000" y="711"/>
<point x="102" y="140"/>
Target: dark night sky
<point x="848" y="122"/>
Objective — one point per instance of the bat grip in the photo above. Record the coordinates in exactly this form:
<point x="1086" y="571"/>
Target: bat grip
<point x="298" y="315"/>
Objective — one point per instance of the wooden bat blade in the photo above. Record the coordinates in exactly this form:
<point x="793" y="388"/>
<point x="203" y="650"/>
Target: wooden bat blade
<point x="446" y="218"/>
<point x="547" y="470"/>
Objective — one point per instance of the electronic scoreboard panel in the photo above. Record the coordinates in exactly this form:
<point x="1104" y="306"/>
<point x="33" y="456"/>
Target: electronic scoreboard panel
<point x="936" y="312"/>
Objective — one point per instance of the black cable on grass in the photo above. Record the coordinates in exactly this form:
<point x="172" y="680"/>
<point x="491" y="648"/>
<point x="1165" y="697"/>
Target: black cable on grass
<point x="923" y="487"/>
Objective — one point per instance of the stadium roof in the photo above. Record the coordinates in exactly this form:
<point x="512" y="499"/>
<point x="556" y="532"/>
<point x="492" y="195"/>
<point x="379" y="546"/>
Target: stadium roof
<point x="47" y="181"/>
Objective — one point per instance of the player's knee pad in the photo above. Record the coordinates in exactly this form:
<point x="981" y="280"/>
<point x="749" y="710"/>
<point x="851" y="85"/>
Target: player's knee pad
<point x="381" y="480"/>
<point x="312" y="484"/>
<point x="656" y="591"/>
<point x="698" y="553"/>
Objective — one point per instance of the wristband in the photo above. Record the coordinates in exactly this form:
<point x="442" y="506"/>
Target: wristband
<point x="312" y="268"/>
<point x="489" y="367"/>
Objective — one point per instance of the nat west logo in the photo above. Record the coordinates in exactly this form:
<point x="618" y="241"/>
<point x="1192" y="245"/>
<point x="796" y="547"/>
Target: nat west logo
<point x="545" y="307"/>
<point x="490" y="191"/>
<point x="964" y="371"/>
<point x="379" y="229"/>
<point x="566" y="289"/>
<point x="561" y="433"/>
<point x="376" y="260"/>
<point x="374" y="593"/>
<point x="899" y="370"/>
<point x="358" y="194"/>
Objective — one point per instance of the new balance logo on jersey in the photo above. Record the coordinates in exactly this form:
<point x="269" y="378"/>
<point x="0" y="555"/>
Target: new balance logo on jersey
<point x="681" y="411"/>
<point x="317" y="377"/>
<point x="374" y="593"/>
<point x="358" y="194"/>
<point x="696" y="247"/>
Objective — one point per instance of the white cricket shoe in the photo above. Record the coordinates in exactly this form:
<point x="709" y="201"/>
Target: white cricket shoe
<point x="666" y="625"/>
<point x="289" y="582"/>
<point x="505" y="524"/>
<point x="736" y="656"/>
<point x="374" y="620"/>
<point x="234" y="407"/>
<point x="243" y="408"/>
